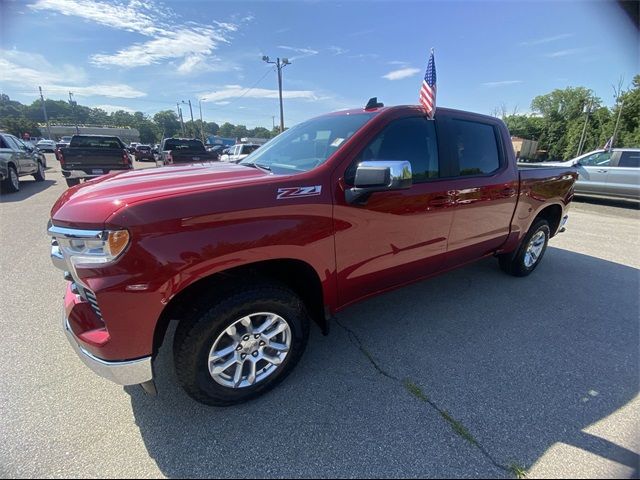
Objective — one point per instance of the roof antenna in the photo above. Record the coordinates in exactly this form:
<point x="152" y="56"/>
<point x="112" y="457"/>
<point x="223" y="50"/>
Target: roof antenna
<point x="373" y="103"/>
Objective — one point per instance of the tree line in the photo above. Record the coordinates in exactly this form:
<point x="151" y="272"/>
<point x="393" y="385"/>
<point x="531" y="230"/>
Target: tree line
<point x="562" y="118"/>
<point x="560" y="121"/>
<point x="17" y="119"/>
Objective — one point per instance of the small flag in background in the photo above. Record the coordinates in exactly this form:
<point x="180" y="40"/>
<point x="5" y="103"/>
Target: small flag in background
<point x="428" y="90"/>
<point x="609" y="144"/>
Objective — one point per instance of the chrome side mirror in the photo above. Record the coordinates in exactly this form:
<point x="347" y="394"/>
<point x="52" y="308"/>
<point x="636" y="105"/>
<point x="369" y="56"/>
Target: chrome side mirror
<point x="379" y="176"/>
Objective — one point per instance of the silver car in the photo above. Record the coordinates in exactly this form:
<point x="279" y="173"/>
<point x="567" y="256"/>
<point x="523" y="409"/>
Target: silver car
<point x="608" y="173"/>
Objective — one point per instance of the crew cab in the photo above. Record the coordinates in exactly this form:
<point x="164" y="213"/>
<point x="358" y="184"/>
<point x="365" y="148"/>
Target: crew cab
<point x="175" y="151"/>
<point x="245" y="256"/>
<point x="90" y="156"/>
<point x="17" y="160"/>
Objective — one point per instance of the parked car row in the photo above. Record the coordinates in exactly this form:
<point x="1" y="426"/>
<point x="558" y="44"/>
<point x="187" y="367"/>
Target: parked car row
<point x="17" y="159"/>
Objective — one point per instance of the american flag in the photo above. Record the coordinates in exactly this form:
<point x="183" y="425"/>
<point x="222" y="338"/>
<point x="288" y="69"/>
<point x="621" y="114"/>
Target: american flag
<point x="428" y="90"/>
<point x="609" y="144"/>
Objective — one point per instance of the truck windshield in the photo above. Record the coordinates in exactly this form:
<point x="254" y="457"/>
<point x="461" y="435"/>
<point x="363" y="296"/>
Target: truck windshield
<point x="308" y="144"/>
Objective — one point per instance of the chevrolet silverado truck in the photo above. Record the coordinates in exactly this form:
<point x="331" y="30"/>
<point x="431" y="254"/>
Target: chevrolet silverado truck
<point x="175" y="151"/>
<point x="242" y="258"/>
<point x="90" y="156"/>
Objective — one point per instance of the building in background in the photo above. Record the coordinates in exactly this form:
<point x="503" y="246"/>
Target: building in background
<point x="216" y="140"/>
<point x="127" y="135"/>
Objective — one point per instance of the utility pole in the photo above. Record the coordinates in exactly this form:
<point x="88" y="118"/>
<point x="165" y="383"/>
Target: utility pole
<point x="273" y="122"/>
<point x="190" y="110"/>
<point x="75" y="115"/>
<point x="584" y="129"/>
<point x="201" y="123"/>
<point x="44" y="110"/>
<point x="280" y="64"/>
<point x="180" y="117"/>
<point x="615" y="130"/>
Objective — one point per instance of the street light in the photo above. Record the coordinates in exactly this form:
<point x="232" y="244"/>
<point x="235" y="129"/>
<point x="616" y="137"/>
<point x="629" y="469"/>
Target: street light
<point x="280" y="64"/>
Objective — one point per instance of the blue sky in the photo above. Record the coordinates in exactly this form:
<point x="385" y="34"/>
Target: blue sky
<point x="146" y="55"/>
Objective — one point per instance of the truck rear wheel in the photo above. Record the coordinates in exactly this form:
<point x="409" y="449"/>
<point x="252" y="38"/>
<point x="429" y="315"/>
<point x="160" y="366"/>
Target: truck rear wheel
<point x="530" y="253"/>
<point x="242" y="345"/>
<point x="72" y="182"/>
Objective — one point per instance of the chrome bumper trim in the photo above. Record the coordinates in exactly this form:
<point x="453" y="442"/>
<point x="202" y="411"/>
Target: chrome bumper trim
<point x="83" y="174"/>
<point x="130" y="372"/>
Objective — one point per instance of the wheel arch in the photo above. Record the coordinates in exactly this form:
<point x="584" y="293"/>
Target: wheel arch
<point x="553" y="215"/>
<point x="296" y="274"/>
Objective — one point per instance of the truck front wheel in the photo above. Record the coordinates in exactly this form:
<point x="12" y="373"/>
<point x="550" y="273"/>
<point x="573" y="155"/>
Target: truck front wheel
<point x="72" y="182"/>
<point x="241" y="346"/>
<point x="530" y="253"/>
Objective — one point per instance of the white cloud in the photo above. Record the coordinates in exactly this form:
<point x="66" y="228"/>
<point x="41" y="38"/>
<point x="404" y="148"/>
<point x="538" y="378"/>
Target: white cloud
<point x="502" y="83"/>
<point x="565" y="53"/>
<point x="304" y="52"/>
<point x="338" y="50"/>
<point x="236" y="91"/>
<point x="401" y="74"/>
<point x="192" y="42"/>
<point x="541" y="41"/>
<point x="31" y="70"/>
<point x="114" y="108"/>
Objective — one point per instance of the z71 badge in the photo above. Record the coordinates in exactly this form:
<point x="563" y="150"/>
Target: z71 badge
<point x="296" y="192"/>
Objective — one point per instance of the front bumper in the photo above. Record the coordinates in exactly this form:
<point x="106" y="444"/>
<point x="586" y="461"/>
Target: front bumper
<point x="129" y="372"/>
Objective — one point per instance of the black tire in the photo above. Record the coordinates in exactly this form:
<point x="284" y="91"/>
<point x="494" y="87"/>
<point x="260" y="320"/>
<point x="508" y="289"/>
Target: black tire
<point x="39" y="175"/>
<point x="12" y="183"/>
<point x="515" y="264"/>
<point x="72" y="182"/>
<point x="196" y="336"/>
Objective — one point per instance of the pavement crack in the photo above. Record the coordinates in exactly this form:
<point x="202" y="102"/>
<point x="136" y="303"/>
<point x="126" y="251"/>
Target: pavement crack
<point x="417" y="392"/>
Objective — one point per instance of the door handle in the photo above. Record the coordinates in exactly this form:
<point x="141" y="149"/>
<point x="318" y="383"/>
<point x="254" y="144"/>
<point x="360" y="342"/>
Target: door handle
<point x="440" y="201"/>
<point x="602" y="171"/>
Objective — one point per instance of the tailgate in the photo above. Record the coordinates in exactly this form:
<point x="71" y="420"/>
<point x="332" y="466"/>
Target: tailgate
<point x="189" y="156"/>
<point x="90" y="158"/>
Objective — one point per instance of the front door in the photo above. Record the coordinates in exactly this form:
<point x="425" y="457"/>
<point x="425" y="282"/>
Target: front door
<point x="398" y="236"/>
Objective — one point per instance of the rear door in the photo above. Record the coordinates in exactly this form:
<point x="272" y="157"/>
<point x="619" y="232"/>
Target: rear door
<point x="623" y="178"/>
<point x="396" y="236"/>
<point x="485" y="184"/>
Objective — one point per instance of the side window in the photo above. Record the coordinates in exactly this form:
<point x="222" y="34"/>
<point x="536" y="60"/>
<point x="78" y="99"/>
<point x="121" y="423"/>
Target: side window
<point x="476" y="147"/>
<point x="3" y="144"/>
<point x="599" y="159"/>
<point x="412" y="139"/>
<point x="630" y="159"/>
<point x="12" y="143"/>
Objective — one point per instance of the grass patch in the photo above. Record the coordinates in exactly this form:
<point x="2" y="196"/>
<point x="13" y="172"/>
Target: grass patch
<point x="415" y="390"/>
<point x="458" y="427"/>
<point x="518" y="471"/>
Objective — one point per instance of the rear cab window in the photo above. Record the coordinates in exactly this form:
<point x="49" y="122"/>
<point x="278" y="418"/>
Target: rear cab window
<point x="96" y="142"/>
<point x="187" y="145"/>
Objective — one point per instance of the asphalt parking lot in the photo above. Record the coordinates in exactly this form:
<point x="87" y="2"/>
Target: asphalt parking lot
<point x="471" y="374"/>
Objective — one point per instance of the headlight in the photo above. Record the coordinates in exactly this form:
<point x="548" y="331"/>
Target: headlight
<point x="99" y="250"/>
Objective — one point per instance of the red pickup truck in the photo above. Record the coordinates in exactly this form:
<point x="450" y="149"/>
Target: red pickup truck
<point x="244" y="257"/>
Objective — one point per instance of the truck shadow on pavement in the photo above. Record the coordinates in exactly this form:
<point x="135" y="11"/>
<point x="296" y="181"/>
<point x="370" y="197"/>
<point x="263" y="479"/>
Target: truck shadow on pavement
<point x="517" y="366"/>
<point x="28" y="188"/>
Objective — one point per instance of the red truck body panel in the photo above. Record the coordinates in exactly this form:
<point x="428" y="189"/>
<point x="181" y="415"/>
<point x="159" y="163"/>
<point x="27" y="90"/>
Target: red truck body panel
<point x="188" y="223"/>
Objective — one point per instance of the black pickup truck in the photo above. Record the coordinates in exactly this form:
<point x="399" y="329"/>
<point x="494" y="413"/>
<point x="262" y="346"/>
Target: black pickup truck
<point x="184" y="150"/>
<point x="89" y="156"/>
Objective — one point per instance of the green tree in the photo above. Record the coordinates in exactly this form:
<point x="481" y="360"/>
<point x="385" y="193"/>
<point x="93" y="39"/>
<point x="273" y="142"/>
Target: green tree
<point x="226" y="130"/>
<point x="167" y="123"/>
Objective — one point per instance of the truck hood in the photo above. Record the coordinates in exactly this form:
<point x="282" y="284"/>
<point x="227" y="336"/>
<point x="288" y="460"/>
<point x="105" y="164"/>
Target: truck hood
<point x="92" y="203"/>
